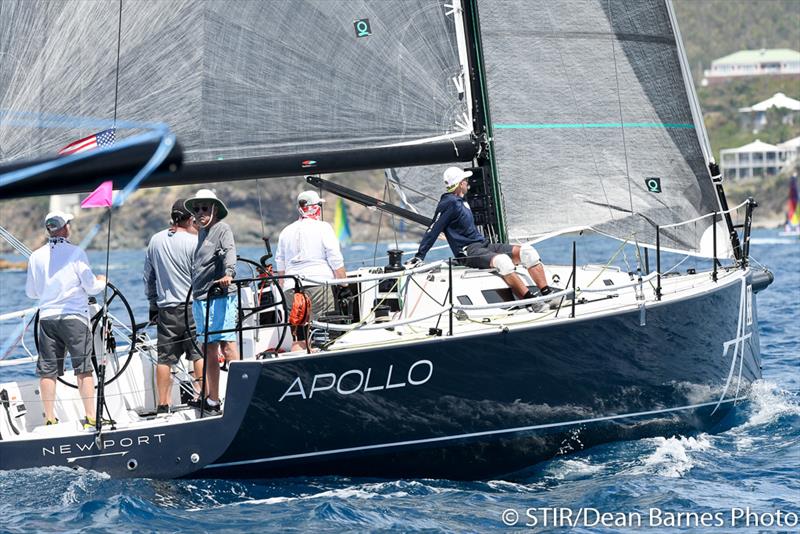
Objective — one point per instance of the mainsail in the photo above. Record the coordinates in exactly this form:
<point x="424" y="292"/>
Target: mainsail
<point x="233" y="79"/>
<point x="592" y="120"/>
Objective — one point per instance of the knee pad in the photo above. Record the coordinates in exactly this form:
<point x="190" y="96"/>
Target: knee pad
<point x="503" y="264"/>
<point x="528" y="256"/>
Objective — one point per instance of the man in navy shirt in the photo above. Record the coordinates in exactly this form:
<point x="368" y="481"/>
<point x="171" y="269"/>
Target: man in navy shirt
<point x="454" y="217"/>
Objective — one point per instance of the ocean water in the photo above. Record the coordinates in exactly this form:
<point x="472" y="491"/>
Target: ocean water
<point x="747" y="477"/>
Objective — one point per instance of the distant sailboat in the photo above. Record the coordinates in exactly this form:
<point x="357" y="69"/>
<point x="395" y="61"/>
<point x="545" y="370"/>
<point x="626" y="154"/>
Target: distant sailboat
<point x="792" y="225"/>
<point x="340" y="223"/>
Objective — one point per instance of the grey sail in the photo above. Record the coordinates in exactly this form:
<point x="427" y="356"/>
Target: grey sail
<point x="234" y="79"/>
<point x="589" y="106"/>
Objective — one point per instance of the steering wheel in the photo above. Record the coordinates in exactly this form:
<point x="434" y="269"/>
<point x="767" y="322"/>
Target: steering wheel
<point x="128" y="323"/>
<point x="259" y="269"/>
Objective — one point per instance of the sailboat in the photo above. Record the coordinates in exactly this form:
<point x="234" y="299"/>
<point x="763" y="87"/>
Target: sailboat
<point x="792" y="225"/>
<point x="574" y="116"/>
<point x="341" y="224"/>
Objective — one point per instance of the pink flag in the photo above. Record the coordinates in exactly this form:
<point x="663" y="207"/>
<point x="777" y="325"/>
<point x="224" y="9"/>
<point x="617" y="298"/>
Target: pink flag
<point x="100" y="197"/>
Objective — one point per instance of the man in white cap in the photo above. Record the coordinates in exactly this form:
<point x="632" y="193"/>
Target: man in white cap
<point x="453" y="216"/>
<point x="309" y="247"/>
<point x="60" y="278"/>
<point x="212" y="288"/>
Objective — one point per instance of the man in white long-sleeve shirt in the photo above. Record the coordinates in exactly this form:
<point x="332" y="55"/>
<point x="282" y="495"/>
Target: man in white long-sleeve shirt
<point x="60" y="278"/>
<point x="309" y="247"/>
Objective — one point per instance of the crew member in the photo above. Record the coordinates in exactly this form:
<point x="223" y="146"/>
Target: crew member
<point x="168" y="280"/>
<point x="213" y="270"/>
<point x="60" y="277"/>
<point x="454" y="217"/>
<point x="309" y="247"/>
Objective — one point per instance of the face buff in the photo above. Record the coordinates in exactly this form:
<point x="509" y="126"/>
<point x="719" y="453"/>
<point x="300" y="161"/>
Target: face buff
<point x="310" y="211"/>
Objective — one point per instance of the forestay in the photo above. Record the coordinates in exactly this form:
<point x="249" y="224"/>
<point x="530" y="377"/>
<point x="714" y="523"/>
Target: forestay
<point x="592" y="120"/>
<point x="234" y="79"/>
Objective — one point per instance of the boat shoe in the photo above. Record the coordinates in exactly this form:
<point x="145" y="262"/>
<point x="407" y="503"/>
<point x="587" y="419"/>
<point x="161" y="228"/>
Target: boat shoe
<point x="211" y="409"/>
<point x="89" y="423"/>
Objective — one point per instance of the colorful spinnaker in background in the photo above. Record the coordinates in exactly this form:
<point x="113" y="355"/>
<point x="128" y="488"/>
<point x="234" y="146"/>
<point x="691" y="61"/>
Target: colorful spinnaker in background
<point x="792" y="207"/>
<point x="340" y="224"/>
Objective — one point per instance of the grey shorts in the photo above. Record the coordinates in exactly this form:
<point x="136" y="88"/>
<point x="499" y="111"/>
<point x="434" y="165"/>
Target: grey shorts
<point x="479" y="255"/>
<point x="321" y="302"/>
<point x="59" y="335"/>
<point x="173" y="337"/>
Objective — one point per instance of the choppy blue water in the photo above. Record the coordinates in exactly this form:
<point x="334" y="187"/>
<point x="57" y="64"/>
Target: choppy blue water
<point x="753" y="465"/>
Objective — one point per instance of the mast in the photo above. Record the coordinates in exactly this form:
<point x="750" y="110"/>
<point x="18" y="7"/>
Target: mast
<point x="485" y="197"/>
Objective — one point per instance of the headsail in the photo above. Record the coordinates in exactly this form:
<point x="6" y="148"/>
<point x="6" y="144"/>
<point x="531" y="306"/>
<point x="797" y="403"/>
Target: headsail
<point x="236" y="80"/>
<point x="592" y="121"/>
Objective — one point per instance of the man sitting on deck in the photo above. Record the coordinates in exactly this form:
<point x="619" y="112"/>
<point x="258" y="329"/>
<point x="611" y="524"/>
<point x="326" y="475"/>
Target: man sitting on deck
<point x="454" y="217"/>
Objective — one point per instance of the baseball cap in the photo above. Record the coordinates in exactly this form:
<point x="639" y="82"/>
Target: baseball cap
<point x="56" y="220"/>
<point x="453" y="176"/>
<point x="309" y="197"/>
<point x="179" y="211"/>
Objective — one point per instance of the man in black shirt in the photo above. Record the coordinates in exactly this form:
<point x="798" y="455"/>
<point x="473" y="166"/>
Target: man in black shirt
<point x="454" y="217"/>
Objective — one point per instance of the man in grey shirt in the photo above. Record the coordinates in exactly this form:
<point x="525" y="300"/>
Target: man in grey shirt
<point x="168" y="278"/>
<point x="212" y="288"/>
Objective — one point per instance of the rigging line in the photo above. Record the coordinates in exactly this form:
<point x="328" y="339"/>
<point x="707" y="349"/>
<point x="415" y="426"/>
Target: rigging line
<point x="387" y="192"/>
<point x="406" y="187"/>
<point x="116" y="83"/>
<point x="12" y="240"/>
<point x="619" y="103"/>
<point x="260" y="209"/>
<point x="377" y="238"/>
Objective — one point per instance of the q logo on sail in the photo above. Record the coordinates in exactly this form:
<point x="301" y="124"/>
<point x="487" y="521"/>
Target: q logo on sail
<point x="362" y="28"/>
<point x="653" y="184"/>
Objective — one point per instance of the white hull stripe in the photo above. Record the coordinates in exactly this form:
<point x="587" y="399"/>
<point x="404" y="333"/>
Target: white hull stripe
<point x="466" y="436"/>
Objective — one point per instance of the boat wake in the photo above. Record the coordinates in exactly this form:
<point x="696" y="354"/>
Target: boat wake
<point x="769" y="404"/>
<point x="673" y="457"/>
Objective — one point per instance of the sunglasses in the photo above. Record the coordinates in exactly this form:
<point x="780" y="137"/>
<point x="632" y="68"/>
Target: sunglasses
<point x="198" y="209"/>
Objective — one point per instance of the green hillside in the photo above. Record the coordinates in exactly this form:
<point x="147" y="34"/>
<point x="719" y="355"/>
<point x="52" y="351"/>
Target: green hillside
<point x="715" y="28"/>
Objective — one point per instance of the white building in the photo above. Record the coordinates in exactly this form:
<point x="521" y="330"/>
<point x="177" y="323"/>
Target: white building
<point x="756" y="115"/>
<point x="758" y="159"/>
<point x="764" y="62"/>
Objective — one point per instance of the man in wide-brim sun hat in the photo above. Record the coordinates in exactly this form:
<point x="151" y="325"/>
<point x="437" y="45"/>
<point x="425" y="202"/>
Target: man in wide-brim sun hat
<point x="213" y="271"/>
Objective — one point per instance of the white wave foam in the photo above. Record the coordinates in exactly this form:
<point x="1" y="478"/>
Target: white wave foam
<point x="573" y="469"/>
<point x="768" y="402"/>
<point x="378" y="490"/>
<point x="671" y="458"/>
<point x="85" y="482"/>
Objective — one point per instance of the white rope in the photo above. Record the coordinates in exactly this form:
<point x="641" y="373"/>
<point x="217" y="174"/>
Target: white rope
<point x="375" y="326"/>
<point x="385" y="276"/>
<point x="512" y="303"/>
<point x="607" y="289"/>
<point x="729" y="210"/>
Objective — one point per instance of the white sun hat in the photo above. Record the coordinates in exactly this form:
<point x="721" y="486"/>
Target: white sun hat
<point x="207" y="195"/>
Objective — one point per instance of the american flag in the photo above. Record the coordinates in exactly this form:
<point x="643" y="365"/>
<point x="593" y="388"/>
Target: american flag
<point x="100" y="139"/>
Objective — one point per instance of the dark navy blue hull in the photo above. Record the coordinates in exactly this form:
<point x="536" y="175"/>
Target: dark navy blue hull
<point x="491" y="404"/>
<point x="147" y="451"/>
